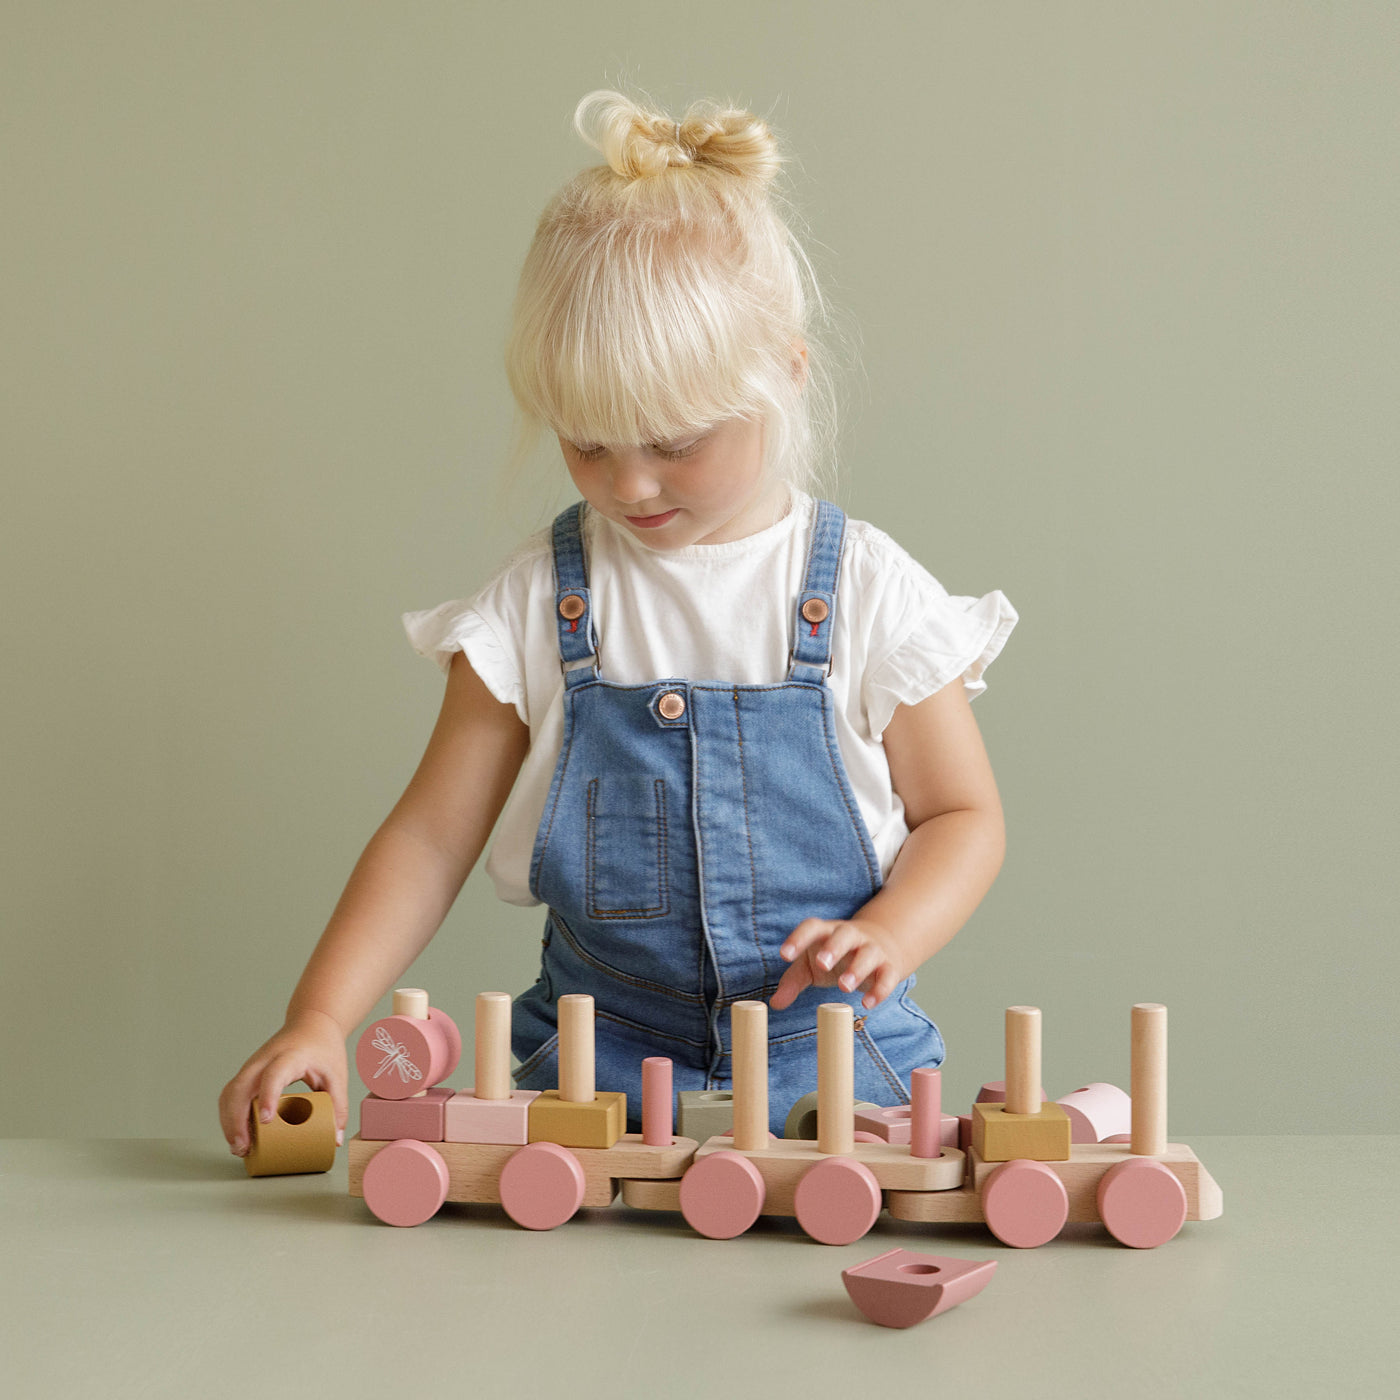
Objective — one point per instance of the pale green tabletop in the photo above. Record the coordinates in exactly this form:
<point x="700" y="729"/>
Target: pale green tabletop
<point x="157" y="1268"/>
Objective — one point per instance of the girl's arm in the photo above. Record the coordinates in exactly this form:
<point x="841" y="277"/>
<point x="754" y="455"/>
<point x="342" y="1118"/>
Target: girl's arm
<point x="397" y="896"/>
<point x="957" y="838"/>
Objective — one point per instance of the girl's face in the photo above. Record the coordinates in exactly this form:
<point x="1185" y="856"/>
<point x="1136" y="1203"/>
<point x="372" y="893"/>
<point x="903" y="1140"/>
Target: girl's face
<point x="707" y="488"/>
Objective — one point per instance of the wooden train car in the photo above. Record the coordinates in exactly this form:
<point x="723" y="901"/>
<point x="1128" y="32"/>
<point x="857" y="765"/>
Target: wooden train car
<point x="544" y="1156"/>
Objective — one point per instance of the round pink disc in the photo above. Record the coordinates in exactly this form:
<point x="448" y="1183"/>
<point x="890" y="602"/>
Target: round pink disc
<point x="722" y="1195"/>
<point x="405" y="1183"/>
<point x="837" y="1200"/>
<point x="1025" y="1203"/>
<point x="542" y="1186"/>
<point x="453" y="1038"/>
<point x="398" y="1056"/>
<point x="1142" y="1202"/>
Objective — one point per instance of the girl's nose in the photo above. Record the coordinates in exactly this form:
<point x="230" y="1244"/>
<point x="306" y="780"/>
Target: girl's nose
<point x="633" y="481"/>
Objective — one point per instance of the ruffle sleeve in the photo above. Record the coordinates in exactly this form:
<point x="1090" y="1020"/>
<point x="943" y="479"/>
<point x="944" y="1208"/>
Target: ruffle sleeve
<point x="946" y="637"/>
<point x="438" y="633"/>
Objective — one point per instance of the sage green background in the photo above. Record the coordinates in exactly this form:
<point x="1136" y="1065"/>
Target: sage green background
<point x="1125" y="278"/>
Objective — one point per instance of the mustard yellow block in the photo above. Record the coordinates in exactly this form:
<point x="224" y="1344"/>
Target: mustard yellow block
<point x="596" y="1124"/>
<point x="999" y="1136"/>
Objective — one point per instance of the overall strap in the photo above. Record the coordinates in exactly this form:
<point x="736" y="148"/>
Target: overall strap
<point x="573" y="607"/>
<point x="816" y="607"/>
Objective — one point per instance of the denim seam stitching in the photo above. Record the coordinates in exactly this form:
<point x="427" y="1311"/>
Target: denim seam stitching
<point x="857" y="821"/>
<point x="639" y="982"/>
<point x="748" y="837"/>
<point x="652" y="911"/>
<point x="880" y="1062"/>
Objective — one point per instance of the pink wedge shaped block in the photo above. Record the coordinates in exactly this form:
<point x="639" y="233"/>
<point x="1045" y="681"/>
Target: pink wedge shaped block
<point x="899" y="1288"/>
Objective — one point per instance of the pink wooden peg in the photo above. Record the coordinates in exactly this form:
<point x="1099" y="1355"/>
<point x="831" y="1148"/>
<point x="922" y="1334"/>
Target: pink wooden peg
<point x="657" y="1121"/>
<point x="926" y="1113"/>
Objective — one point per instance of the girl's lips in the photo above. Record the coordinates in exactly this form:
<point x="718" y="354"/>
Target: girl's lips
<point x="650" y="522"/>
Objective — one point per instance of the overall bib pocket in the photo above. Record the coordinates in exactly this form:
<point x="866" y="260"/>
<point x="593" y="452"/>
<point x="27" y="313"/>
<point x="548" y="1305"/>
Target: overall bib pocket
<point x="625" y="860"/>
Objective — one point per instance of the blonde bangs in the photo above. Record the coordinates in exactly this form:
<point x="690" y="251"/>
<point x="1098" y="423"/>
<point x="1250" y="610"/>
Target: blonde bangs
<point x="630" y="334"/>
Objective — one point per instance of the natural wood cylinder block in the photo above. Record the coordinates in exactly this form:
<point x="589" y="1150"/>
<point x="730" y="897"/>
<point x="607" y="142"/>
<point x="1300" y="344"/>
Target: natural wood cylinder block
<point x="492" y="1046"/>
<point x="1023" y="1059"/>
<point x="1149" y="1079"/>
<point x="748" y="1033"/>
<point x="411" y="1001"/>
<point x="835" y="1077"/>
<point x="576" y="1084"/>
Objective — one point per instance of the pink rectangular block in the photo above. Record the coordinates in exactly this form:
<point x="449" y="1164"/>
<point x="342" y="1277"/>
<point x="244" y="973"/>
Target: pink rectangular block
<point x="893" y="1125"/>
<point x="470" y="1119"/>
<point x="382" y="1120"/>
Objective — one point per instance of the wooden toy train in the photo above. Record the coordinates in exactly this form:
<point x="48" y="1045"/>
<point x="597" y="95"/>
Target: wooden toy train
<point x="1021" y="1164"/>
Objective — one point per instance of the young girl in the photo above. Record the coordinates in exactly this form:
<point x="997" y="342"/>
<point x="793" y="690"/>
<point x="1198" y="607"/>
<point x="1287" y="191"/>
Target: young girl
<point x="726" y="730"/>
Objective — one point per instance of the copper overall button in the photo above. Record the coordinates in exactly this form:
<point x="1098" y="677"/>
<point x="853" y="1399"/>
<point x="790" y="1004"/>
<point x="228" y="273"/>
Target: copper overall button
<point x="814" y="610"/>
<point x="570" y="607"/>
<point x="671" y="705"/>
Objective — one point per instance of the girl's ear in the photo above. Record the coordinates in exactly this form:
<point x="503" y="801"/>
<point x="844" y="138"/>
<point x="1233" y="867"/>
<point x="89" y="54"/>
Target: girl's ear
<point x="799" y="363"/>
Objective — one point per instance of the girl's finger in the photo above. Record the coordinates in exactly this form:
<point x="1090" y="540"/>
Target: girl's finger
<point x="865" y="962"/>
<point x="803" y="936"/>
<point x="791" y="984"/>
<point x="885" y="983"/>
<point x="844" y="938"/>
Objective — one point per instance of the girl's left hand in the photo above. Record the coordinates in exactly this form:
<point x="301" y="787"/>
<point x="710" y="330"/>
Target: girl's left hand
<point x="845" y="953"/>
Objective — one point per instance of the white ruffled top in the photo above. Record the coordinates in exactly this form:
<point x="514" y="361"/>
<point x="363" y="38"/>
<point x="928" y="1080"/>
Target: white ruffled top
<point x="719" y="612"/>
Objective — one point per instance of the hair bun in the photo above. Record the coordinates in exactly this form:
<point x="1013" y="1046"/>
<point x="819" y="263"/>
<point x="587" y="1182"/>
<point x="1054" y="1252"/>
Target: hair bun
<point x="639" y="142"/>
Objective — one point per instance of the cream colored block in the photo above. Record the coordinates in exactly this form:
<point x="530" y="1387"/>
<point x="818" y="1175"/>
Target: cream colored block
<point x="705" y="1113"/>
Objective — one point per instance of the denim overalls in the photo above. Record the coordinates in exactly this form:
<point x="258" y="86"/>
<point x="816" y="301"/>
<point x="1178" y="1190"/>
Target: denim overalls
<point x="689" y="828"/>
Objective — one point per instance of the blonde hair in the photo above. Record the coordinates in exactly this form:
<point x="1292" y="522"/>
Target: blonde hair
<point x="664" y="292"/>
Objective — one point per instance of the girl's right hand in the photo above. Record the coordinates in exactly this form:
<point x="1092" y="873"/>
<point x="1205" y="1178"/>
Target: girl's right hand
<point x="310" y="1047"/>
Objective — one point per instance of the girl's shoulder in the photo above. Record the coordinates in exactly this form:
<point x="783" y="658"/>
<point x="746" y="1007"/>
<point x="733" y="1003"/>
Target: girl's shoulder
<point x="875" y="566"/>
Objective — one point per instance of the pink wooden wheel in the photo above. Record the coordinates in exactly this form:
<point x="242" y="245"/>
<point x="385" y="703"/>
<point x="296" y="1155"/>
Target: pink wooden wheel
<point x="542" y="1186"/>
<point x="837" y="1200"/>
<point x="1025" y="1203"/>
<point x="1142" y="1202"/>
<point x="722" y="1195"/>
<point x="405" y="1183"/>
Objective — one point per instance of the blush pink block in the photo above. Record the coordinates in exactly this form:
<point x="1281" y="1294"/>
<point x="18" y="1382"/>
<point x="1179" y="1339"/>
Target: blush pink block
<point x="887" y="1124"/>
<point x="397" y="1056"/>
<point x="899" y="1288"/>
<point x="542" y="1186"/>
<point x="1097" y="1112"/>
<point x="470" y="1119"/>
<point x="405" y="1183"/>
<point x="1142" y="1202"/>
<point x="995" y="1092"/>
<point x="837" y="1201"/>
<point x="384" y="1119"/>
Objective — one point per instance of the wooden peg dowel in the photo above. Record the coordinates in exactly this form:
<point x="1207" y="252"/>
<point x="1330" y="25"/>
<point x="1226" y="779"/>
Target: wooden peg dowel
<point x="835" y="1078"/>
<point x="492" y="1046"/>
<point x="411" y="1001"/>
<point x="576" y="1082"/>
<point x="657" y="1119"/>
<point x="1149" y="1079"/>
<point x="1023" y="1059"/>
<point x="748" y="1033"/>
<point x="925" y="1113"/>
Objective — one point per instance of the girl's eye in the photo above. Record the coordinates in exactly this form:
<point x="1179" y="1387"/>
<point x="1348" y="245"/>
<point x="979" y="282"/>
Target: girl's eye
<point x="670" y="454"/>
<point x="674" y="454"/>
